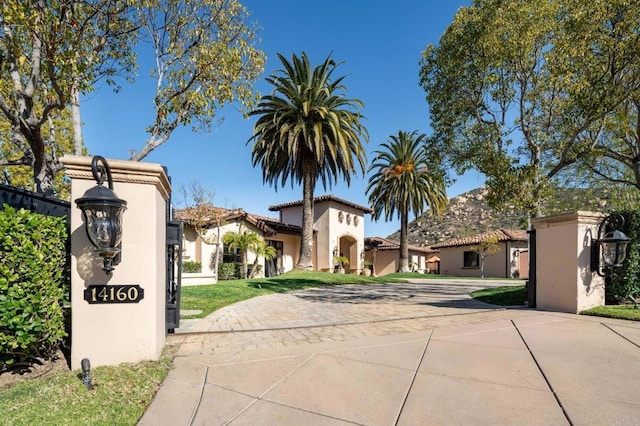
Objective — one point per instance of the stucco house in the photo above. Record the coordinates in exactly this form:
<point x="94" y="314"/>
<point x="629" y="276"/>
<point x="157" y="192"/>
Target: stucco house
<point x="338" y="231"/>
<point x="384" y="255"/>
<point x="458" y="258"/>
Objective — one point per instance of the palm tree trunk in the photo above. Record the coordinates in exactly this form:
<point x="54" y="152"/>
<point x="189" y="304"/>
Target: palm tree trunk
<point x="243" y="257"/>
<point x="404" y="241"/>
<point x="306" y="242"/>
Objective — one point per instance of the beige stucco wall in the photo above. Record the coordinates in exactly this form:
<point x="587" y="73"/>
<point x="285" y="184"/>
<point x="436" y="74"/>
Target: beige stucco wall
<point x="333" y="230"/>
<point x="206" y="248"/>
<point x="386" y="262"/>
<point x="496" y="265"/>
<point x="292" y="215"/>
<point x="109" y="334"/>
<point x="565" y="282"/>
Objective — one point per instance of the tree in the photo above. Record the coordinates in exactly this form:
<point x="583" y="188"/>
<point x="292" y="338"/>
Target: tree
<point x="263" y="250"/>
<point x="406" y="177"/>
<point x="54" y="52"/>
<point x="308" y="130"/>
<point x="487" y="247"/>
<point x="202" y="215"/>
<point x="520" y="90"/>
<point x="616" y="157"/>
<point x="58" y="133"/>
<point x="244" y="241"/>
<point x="48" y="50"/>
<point x="204" y="58"/>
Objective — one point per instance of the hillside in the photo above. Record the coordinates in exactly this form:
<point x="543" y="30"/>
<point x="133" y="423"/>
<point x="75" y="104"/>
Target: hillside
<point x="469" y="214"/>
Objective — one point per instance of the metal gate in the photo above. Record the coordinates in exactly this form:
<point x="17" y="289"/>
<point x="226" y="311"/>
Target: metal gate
<point x="532" y="281"/>
<point x="174" y="274"/>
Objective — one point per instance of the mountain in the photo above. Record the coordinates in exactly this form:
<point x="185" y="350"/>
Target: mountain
<point x="469" y="214"/>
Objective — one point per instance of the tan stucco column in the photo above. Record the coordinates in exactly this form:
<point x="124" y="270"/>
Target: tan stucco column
<point x="109" y="334"/>
<point x="565" y="282"/>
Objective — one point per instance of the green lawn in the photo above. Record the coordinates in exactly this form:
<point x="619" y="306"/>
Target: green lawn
<point x="120" y="396"/>
<point x="516" y="295"/>
<point x="626" y="312"/>
<point x="502" y="296"/>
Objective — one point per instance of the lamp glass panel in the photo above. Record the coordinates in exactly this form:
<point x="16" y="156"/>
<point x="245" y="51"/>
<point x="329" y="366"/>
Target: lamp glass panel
<point x="613" y="253"/>
<point x="104" y="226"/>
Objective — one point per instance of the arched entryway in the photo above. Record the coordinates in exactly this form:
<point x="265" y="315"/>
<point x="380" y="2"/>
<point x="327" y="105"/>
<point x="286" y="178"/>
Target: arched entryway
<point x="348" y="247"/>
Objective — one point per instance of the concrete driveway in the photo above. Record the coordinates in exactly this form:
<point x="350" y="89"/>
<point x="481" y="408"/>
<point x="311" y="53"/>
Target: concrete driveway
<point x="416" y="353"/>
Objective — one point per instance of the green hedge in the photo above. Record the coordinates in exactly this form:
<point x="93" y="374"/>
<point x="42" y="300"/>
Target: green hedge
<point x="625" y="284"/>
<point x="229" y="271"/>
<point x="33" y="276"/>
<point x="191" y="266"/>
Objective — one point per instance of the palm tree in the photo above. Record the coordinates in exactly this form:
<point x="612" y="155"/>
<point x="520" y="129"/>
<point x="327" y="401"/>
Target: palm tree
<point x="307" y="131"/>
<point x="404" y="181"/>
<point x="261" y="250"/>
<point x="243" y="241"/>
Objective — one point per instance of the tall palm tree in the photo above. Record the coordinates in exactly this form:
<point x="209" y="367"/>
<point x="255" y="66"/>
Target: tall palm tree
<point x="405" y="179"/>
<point x="243" y="241"/>
<point x="308" y="130"/>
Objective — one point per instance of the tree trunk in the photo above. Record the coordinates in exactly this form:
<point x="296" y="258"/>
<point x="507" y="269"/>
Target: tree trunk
<point x="404" y="241"/>
<point x="76" y="121"/>
<point x="216" y="261"/>
<point x="306" y="242"/>
<point x="243" y="257"/>
<point x="43" y="171"/>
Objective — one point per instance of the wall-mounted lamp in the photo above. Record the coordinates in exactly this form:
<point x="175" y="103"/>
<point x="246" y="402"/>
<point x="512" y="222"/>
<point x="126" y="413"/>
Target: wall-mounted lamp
<point x="102" y="212"/>
<point x="611" y="245"/>
<point x="335" y="251"/>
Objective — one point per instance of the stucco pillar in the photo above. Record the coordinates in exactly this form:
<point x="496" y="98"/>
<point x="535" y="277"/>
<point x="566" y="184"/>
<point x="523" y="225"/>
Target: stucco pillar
<point x="565" y="282"/>
<point x="109" y="334"/>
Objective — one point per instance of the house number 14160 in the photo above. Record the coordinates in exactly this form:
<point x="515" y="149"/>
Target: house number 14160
<point x="117" y="293"/>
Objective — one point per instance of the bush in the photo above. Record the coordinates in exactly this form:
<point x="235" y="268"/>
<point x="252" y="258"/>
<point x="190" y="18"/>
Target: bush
<point x="191" y="267"/>
<point x="626" y="282"/>
<point x="229" y="271"/>
<point x="33" y="276"/>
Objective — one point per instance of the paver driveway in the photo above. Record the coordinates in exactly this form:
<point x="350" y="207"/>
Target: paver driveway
<point x="411" y="354"/>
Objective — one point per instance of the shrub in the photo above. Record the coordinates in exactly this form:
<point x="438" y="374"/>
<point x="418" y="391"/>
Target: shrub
<point x="191" y="266"/>
<point x="33" y="276"/>
<point x="625" y="284"/>
<point x="229" y="271"/>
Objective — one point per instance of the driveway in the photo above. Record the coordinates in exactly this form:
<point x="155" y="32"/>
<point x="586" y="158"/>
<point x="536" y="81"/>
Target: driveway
<point x="416" y="353"/>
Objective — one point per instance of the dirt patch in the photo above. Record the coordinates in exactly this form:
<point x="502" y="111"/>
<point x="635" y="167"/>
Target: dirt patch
<point x="35" y="370"/>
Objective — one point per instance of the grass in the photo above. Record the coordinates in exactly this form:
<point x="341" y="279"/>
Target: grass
<point x="209" y="298"/>
<point x="120" y="396"/>
<point x="502" y="296"/>
<point x="516" y="295"/>
<point x="626" y="312"/>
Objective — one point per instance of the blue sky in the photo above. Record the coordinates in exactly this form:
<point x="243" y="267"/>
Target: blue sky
<point x="379" y="43"/>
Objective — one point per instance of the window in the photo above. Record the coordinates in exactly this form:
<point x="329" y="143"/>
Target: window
<point x="471" y="259"/>
<point x="230" y="255"/>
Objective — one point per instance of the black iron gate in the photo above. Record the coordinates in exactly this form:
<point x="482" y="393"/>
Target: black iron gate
<point x="531" y="282"/>
<point x="174" y="273"/>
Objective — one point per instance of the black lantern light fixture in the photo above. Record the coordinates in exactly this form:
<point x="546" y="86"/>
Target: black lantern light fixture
<point x="611" y="245"/>
<point x="102" y="212"/>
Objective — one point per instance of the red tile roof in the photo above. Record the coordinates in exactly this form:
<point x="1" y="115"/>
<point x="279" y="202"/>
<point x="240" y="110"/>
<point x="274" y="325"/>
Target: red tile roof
<point x="383" y="244"/>
<point x="210" y="216"/>
<point x="501" y="234"/>
<point x="321" y="199"/>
